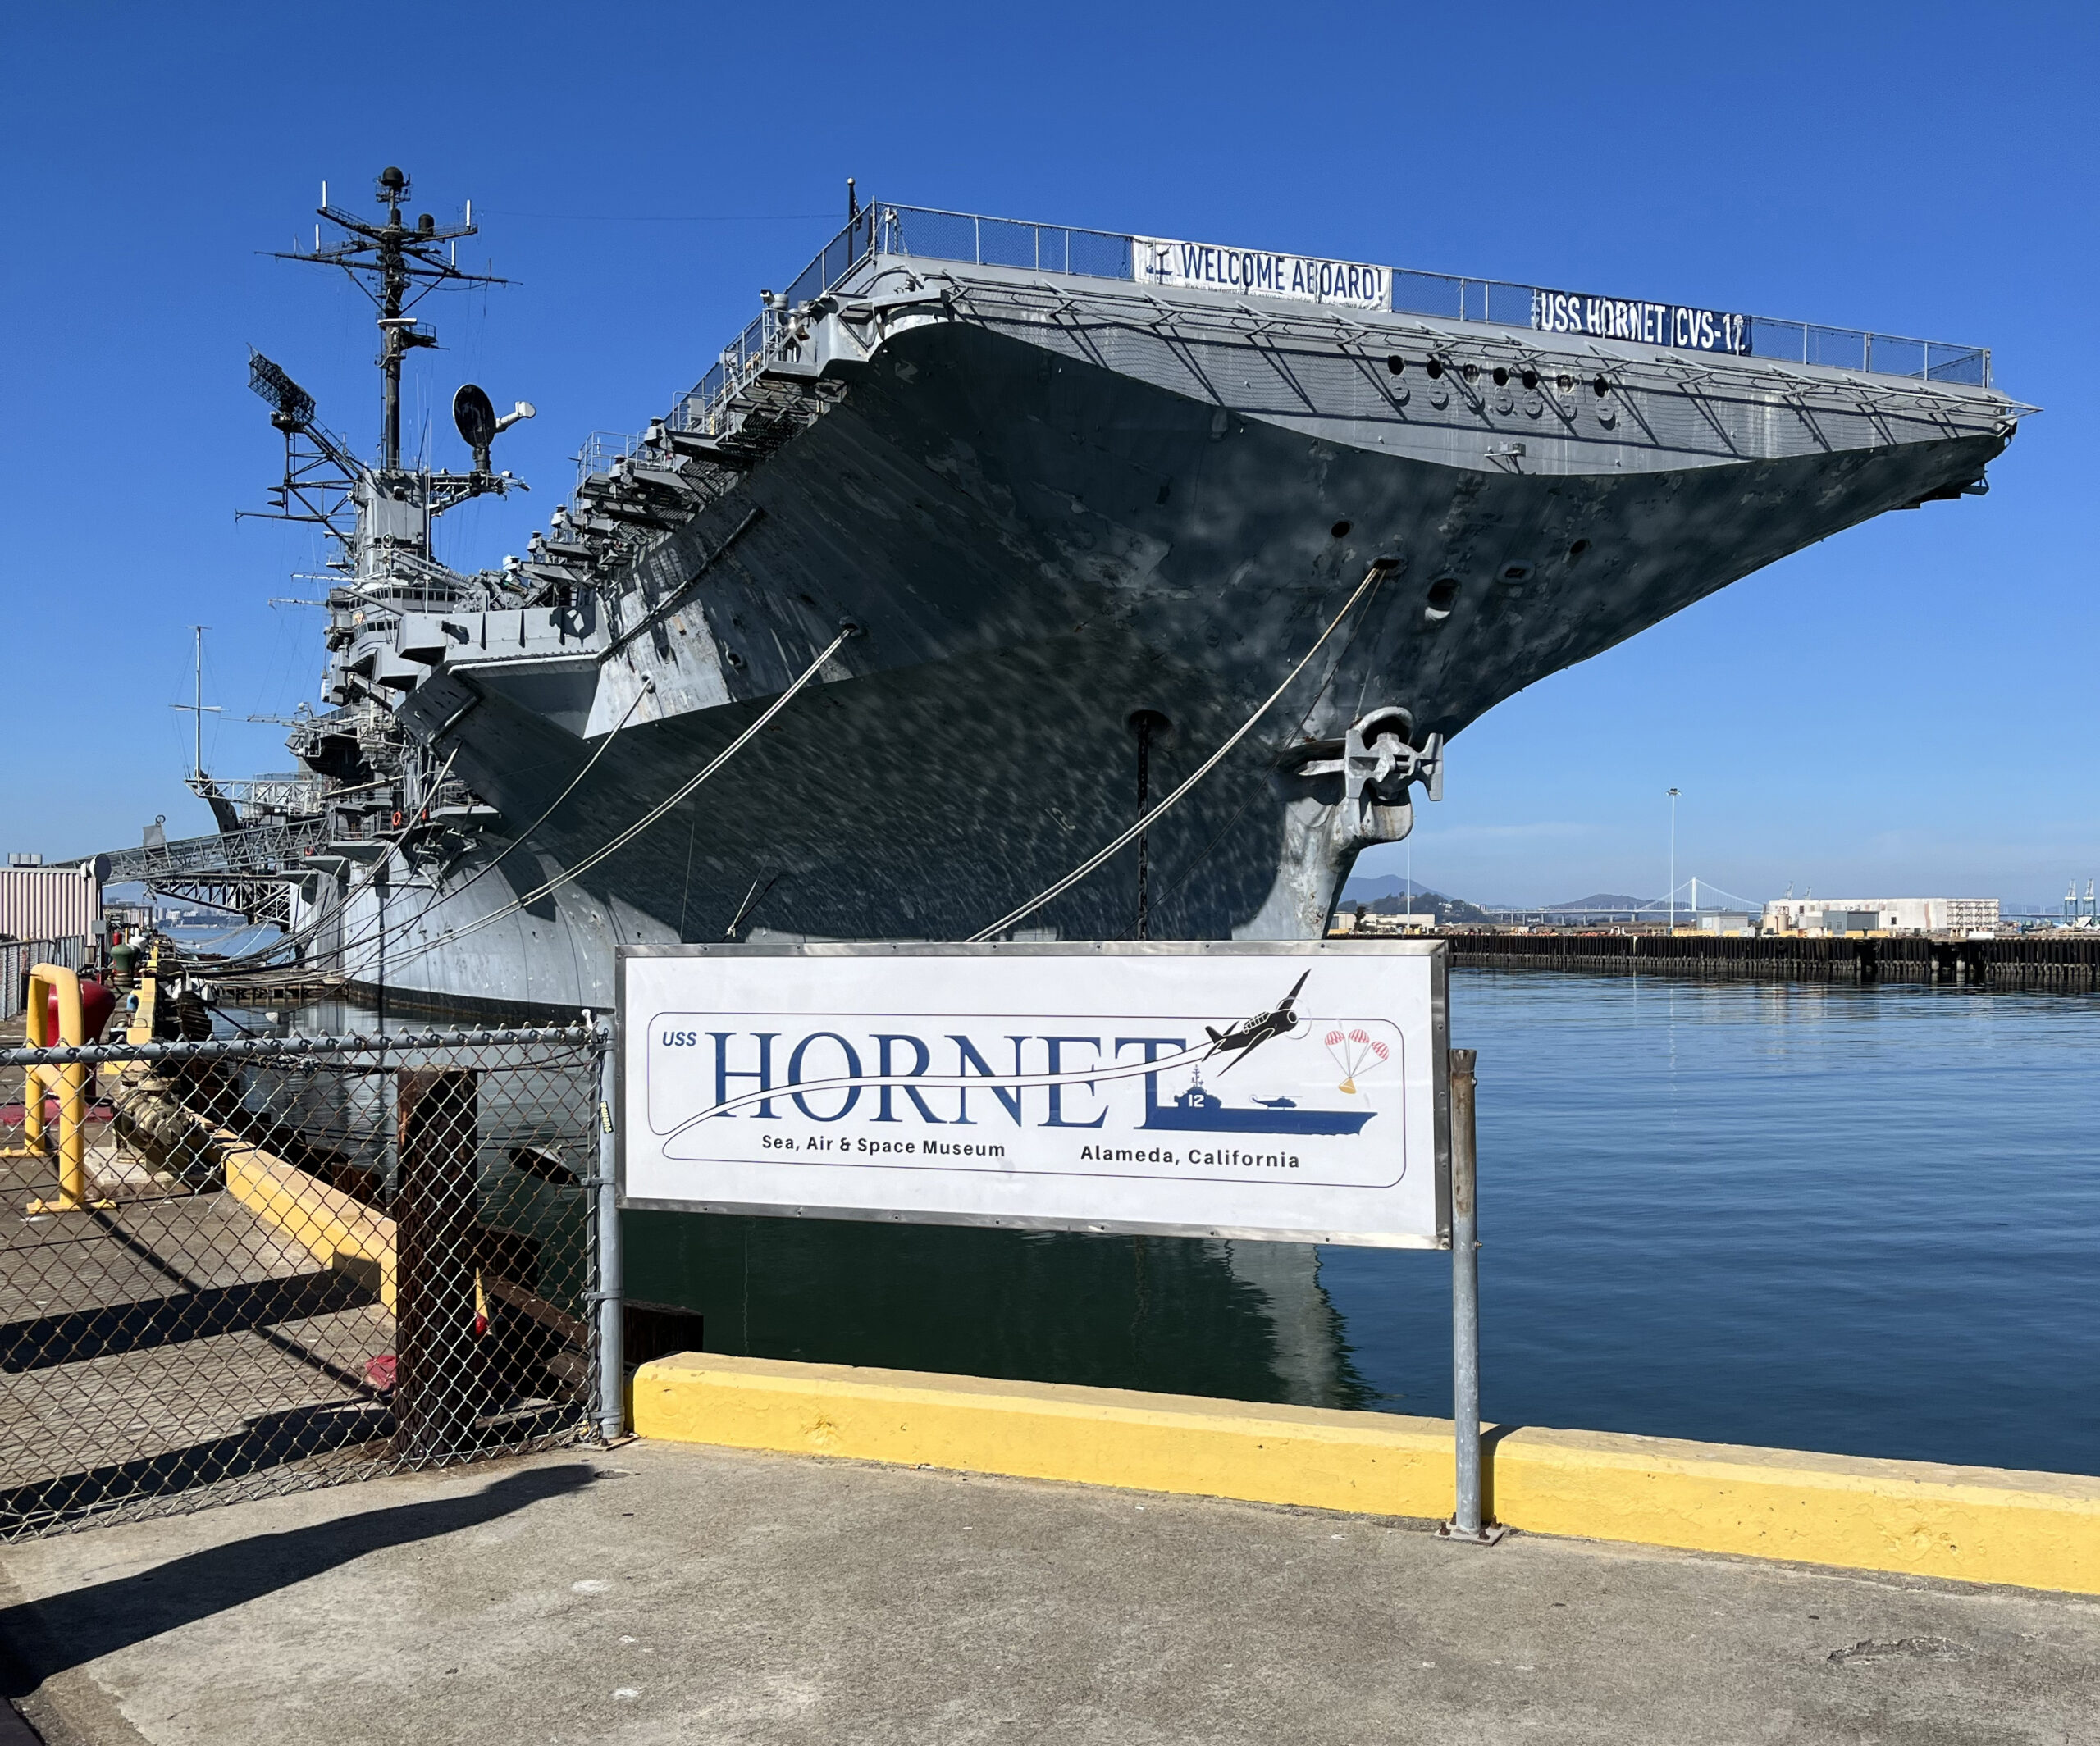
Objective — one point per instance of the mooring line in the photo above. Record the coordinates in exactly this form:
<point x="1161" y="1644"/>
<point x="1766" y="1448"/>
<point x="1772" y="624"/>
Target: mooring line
<point x="1380" y="568"/>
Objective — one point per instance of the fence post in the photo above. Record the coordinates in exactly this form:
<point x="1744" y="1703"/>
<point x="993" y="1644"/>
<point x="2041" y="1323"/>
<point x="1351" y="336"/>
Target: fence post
<point x="610" y="1285"/>
<point x="1467" y="1521"/>
<point x="439" y="1380"/>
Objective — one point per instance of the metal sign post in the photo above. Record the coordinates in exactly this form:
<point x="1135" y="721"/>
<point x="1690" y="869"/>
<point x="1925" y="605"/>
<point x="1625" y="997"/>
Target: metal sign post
<point x="612" y="1269"/>
<point x="1466" y="1523"/>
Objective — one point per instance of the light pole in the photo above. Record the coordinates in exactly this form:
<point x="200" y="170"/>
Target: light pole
<point x="1673" y="860"/>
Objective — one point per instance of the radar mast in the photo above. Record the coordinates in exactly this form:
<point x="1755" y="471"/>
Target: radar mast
<point x="397" y="266"/>
<point x="369" y="778"/>
<point x="377" y="511"/>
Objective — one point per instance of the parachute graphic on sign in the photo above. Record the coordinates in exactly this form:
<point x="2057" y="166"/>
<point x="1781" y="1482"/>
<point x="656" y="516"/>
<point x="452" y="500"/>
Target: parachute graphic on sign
<point x="1354" y="1052"/>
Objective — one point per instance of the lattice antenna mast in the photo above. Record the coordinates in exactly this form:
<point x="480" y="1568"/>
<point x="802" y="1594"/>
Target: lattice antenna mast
<point x="396" y="264"/>
<point x="320" y="471"/>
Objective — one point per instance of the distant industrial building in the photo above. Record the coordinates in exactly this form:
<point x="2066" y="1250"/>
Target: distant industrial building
<point x="1840" y="915"/>
<point x="1723" y="921"/>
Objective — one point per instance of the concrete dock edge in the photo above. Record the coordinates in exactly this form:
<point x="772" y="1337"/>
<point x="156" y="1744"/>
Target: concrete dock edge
<point x="2036" y="1530"/>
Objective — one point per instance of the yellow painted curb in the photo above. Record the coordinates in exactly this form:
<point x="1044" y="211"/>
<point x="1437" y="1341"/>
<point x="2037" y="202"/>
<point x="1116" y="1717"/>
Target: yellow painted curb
<point x="2039" y="1530"/>
<point x="331" y="1226"/>
<point x="2036" y="1530"/>
<point x="337" y="1229"/>
<point x="1372" y="1462"/>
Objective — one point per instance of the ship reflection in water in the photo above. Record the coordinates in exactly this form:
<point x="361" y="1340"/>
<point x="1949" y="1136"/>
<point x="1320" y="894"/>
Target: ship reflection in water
<point x="1234" y="1320"/>
<point x="1238" y="1321"/>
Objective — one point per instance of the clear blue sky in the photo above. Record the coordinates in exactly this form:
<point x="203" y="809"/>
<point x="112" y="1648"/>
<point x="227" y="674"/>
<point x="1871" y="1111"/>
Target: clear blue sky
<point x="1910" y="707"/>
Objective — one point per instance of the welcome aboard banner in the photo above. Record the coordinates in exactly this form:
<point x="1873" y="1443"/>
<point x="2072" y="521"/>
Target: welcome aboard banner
<point x="1349" y="285"/>
<point x="1363" y="284"/>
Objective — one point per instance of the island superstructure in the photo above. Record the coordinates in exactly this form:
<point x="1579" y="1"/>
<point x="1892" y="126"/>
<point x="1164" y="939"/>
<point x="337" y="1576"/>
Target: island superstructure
<point x="1065" y="507"/>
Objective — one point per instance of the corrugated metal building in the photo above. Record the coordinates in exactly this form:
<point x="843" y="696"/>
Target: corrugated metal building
<point x="49" y="903"/>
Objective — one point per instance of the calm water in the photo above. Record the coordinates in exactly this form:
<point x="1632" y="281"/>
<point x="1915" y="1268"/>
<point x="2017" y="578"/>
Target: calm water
<point x="1859" y="1220"/>
<point x="228" y="939"/>
<point x="1863" y="1221"/>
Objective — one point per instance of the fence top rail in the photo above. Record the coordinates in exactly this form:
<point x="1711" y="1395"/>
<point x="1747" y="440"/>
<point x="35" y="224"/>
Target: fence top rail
<point x="253" y="1048"/>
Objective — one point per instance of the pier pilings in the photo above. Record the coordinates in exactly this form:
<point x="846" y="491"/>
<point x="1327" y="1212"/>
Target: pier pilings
<point x="2068" y="961"/>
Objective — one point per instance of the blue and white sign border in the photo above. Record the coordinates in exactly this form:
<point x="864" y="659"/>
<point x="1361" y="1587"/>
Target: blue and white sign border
<point x="1431" y="961"/>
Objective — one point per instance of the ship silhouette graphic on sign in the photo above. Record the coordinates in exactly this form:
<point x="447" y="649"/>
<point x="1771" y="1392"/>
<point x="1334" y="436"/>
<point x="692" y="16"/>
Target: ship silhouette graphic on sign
<point x="1196" y="1111"/>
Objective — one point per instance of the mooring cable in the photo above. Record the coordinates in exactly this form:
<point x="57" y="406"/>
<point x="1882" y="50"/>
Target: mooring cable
<point x="1195" y="863"/>
<point x="1380" y="568"/>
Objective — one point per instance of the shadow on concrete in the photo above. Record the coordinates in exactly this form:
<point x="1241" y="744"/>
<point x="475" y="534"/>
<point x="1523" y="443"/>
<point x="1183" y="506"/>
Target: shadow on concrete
<point x="268" y="1440"/>
<point x="106" y="1330"/>
<point x="1489" y="1441"/>
<point x="38" y="1639"/>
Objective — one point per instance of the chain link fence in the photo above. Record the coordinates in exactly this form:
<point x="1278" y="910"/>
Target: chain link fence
<point x="68" y="952"/>
<point x="234" y="1268"/>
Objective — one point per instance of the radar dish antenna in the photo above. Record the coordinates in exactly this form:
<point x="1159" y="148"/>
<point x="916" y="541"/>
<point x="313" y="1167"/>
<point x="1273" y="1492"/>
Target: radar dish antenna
<point x="292" y="407"/>
<point x="473" y="414"/>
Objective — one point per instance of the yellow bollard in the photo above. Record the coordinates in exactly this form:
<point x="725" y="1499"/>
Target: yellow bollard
<point x="146" y="990"/>
<point x="69" y="1081"/>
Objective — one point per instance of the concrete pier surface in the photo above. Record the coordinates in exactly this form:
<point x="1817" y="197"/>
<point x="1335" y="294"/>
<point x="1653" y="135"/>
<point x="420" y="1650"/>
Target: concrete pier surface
<point x="658" y="1593"/>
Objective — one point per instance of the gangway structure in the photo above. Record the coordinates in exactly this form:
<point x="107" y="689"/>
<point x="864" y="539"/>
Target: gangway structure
<point x="246" y="871"/>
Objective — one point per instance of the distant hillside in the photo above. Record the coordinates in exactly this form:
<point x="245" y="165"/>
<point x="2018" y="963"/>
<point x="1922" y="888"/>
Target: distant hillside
<point x="1603" y="900"/>
<point x="1386" y="895"/>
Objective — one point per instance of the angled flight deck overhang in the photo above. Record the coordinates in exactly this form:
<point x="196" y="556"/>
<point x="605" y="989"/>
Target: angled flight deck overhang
<point x="1467" y="372"/>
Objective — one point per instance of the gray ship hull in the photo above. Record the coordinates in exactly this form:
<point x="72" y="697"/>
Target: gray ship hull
<point x="1037" y="544"/>
<point x="1048" y="504"/>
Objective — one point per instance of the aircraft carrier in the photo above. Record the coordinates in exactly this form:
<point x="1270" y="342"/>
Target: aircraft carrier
<point x="998" y="533"/>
